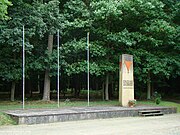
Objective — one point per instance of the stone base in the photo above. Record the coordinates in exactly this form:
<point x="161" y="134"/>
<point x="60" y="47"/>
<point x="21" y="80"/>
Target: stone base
<point x="39" y="116"/>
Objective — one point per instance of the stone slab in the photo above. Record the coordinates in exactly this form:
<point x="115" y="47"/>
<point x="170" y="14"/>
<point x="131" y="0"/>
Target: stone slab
<point x="38" y="116"/>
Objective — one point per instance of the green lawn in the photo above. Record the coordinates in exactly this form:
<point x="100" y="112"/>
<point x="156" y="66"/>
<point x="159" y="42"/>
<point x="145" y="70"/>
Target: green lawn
<point x="163" y="103"/>
<point x="6" y="105"/>
<point x="6" y="120"/>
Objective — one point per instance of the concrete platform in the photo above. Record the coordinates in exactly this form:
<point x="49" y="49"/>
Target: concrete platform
<point x="38" y="116"/>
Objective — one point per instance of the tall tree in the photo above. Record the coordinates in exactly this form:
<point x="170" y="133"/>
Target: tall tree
<point x="52" y="18"/>
<point x="147" y="30"/>
<point x="11" y="44"/>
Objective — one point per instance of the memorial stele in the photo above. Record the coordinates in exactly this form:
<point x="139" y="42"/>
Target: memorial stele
<point x="126" y="79"/>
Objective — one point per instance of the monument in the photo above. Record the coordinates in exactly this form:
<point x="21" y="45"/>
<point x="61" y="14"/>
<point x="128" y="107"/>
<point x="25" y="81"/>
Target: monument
<point x="126" y="79"/>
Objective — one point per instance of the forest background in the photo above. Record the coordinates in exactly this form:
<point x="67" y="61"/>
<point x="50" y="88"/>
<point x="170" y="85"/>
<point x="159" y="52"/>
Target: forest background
<point x="148" y="30"/>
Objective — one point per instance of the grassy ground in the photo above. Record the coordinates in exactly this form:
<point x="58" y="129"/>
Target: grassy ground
<point x="6" y="120"/>
<point x="6" y="105"/>
<point x="163" y="103"/>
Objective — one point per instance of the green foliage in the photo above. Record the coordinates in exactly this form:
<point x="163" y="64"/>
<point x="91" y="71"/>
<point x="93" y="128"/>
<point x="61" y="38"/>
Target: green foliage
<point x="3" y="9"/>
<point x="105" y="10"/>
<point x="122" y="38"/>
<point x="157" y="97"/>
<point x="47" y="16"/>
<point x="77" y="19"/>
<point x="11" y="43"/>
<point x="147" y="30"/>
<point x="74" y="55"/>
<point x="157" y="101"/>
<point x="92" y="93"/>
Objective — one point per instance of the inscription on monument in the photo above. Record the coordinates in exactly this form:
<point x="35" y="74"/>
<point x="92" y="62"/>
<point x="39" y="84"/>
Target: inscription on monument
<point x="127" y="82"/>
<point x="128" y="88"/>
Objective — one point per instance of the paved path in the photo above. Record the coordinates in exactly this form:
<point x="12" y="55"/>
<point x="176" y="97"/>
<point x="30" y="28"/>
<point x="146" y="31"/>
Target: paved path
<point x="159" y="125"/>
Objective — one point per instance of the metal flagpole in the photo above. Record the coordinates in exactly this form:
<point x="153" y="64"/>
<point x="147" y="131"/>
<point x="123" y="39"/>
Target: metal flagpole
<point x="58" y="68"/>
<point x="23" y="64"/>
<point x="88" y="65"/>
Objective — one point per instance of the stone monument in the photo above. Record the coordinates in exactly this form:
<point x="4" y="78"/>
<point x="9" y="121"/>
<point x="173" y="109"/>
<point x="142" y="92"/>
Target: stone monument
<point x="126" y="79"/>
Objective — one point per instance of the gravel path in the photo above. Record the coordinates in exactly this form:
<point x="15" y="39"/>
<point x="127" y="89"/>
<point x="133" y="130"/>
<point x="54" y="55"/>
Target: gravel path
<point x="158" y="125"/>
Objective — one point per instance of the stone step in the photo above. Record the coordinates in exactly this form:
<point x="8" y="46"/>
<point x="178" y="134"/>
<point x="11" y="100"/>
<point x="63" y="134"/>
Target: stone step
<point x="147" y="111"/>
<point x="150" y="113"/>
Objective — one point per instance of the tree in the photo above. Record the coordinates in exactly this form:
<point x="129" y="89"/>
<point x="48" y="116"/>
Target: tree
<point x="135" y="27"/>
<point x="11" y="44"/>
<point x="147" y="30"/>
<point x="143" y="29"/>
<point x="152" y="36"/>
<point x="84" y="17"/>
<point x="52" y="19"/>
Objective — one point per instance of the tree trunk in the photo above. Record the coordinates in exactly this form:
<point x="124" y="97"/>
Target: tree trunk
<point x="107" y="88"/>
<point x="112" y="90"/>
<point x="97" y="86"/>
<point x="148" y="86"/>
<point x="13" y="87"/>
<point x="103" y="91"/>
<point x="29" y="88"/>
<point x="152" y="88"/>
<point x="38" y="85"/>
<point x="47" y="81"/>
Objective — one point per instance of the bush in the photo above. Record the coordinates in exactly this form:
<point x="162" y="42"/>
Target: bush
<point x="157" y="97"/>
<point x="157" y="101"/>
<point x="93" y="93"/>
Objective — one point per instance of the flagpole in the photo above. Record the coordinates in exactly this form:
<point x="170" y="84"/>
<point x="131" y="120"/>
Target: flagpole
<point x="58" y="68"/>
<point x="88" y="65"/>
<point x="23" y="64"/>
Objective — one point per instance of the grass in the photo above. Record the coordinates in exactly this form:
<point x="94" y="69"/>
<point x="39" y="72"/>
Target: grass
<point x="163" y="103"/>
<point x="7" y="105"/>
<point x="6" y="120"/>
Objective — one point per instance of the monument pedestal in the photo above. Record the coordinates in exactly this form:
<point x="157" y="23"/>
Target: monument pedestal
<point x="126" y="79"/>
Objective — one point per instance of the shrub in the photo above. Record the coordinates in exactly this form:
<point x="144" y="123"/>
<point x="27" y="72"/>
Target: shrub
<point x="157" y="97"/>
